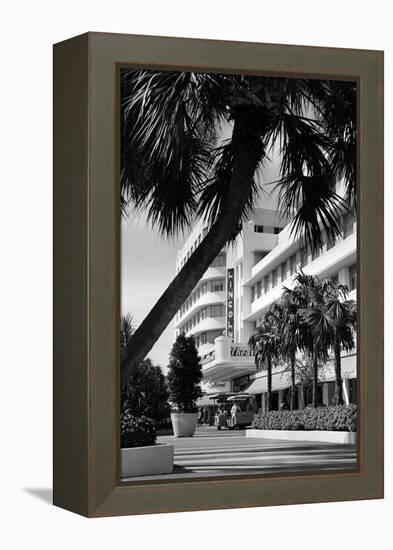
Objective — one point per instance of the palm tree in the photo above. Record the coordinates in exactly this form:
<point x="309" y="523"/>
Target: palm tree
<point x="292" y="329"/>
<point x="265" y="345"/>
<point x="315" y="339"/>
<point x="335" y="317"/>
<point x="174" y="167"/>
<point x="127" y="329"/>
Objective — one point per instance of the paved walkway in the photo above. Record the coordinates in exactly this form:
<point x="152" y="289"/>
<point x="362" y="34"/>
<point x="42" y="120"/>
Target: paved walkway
<point x="211" y="452"/>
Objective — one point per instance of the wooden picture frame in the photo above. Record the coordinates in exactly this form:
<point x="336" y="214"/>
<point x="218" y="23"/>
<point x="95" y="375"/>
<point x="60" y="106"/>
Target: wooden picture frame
<point x="86" y="274"/>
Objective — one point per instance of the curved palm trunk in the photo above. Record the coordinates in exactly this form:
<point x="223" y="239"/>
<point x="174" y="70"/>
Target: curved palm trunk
<point x="293" y="381"/>
<point x="269" y="383"/>
<point x="247" y="155"/>
<point x="315" y="400"/>
<point x="338" y="391"/>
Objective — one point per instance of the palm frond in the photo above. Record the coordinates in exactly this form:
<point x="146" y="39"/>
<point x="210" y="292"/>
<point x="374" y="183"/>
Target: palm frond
<point x="167" y="136"/>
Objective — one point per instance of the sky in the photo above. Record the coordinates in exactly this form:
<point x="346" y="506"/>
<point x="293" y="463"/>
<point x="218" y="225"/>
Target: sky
<point x="148" y="265"/>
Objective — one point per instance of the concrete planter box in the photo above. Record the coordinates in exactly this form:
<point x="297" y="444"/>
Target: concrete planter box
<point x="184" y="424"/>
<point x="145" y="461"/>
<point x="305" y="435"/>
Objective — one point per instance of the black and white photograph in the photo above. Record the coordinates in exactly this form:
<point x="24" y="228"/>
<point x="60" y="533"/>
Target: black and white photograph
<point x="238" y="224"/>
<point x="196" y="246"/>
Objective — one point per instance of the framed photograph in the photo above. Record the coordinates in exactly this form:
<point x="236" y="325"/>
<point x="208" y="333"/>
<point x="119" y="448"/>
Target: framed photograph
<point x="218" y="274"/>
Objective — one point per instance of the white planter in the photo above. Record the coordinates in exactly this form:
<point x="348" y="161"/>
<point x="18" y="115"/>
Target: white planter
<point x="145" y="461"/>
<point x="184" y="424"/>
<point x="305" y="435"/>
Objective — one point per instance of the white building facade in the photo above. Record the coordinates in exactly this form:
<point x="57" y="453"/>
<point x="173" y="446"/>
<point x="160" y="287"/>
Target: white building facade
<point x="240" y="286"/>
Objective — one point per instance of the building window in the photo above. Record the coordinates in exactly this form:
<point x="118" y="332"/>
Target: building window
<point x="276" y="230"/>
<point x="352" y="277"/>
<point x="217" y="311"/>
<point x="283" y="269"/>
<point x="274" y="278"/>
<point x="253" y="288"/>
<point x="258" y="289"/>
<point x="217" y="286"/>
<point x="266" y="284"/>
<point x="258" y="228"/>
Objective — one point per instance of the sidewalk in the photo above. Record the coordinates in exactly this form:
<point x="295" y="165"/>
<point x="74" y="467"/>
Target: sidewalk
<point x="211" y="452"/>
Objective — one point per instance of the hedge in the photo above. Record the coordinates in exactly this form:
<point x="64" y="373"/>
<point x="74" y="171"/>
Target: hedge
<point x="337" y="418"/>
<point x="136" y="431"/>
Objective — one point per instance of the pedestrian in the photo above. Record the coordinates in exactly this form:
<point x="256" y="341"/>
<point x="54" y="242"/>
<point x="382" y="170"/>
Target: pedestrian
<point x="234" y="410"/>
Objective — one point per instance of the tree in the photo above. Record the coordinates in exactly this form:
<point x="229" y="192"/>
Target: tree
<point x="315" y="339"/>
<point x="173" y="166"/>
<point x="332" y="320"/>
<point x="147" y="393"/>
<point x="184" y="374"/>
<point x="293" y="331"/>
<point x="126" y="331"/>
<point x="265" y="345"/>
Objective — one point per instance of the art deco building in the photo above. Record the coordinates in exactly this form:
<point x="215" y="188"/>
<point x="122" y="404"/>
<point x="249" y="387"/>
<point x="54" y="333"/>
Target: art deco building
<point x="241" y="285"/>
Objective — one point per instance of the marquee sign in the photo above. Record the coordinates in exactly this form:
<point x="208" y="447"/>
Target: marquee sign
<point x="230" y="302"/>
<point x="240" y="350"/>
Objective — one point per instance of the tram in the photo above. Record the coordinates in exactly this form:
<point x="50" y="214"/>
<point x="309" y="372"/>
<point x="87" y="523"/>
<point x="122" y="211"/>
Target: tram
<point x="234" y="410"/>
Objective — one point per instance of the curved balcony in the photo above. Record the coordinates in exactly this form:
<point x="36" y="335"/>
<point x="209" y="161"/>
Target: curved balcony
<point x="341" y="255"/>
<point x="212" y="273"/>
<point x="210" y="323"/>
<point x="207" y="299"/>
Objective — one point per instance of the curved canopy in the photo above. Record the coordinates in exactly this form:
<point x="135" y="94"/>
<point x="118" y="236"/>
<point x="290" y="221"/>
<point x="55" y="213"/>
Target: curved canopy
<point x="239" y="397"/>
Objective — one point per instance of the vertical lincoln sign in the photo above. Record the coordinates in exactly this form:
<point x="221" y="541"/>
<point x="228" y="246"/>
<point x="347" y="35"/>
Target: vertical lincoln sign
<point x="230" y="303"/>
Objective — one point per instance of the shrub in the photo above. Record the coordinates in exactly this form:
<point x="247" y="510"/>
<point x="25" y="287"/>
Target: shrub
<point x="147" y="392"/>
<point x="136" y="431"/>
<point x="337" y="418"/>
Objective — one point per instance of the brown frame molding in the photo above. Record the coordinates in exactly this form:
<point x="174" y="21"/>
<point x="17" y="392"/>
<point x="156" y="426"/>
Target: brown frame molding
<point x="86" y="274"/>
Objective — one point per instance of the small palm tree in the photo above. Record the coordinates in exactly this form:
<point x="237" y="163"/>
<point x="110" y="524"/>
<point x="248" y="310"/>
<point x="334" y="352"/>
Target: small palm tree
<point x="307" y="295"/>
<point x="293" y="331"/>
<point x="127" y="329"/>
<point x="338" y="317"/>
<point x="331" y="320"/>
<point x="265" y="345"/>
<point x="174" y="167"/>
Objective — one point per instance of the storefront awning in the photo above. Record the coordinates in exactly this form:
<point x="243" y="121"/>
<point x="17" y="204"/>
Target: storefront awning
<point x="259" y="385"/>
<point x="239" y="397"/>
<point x="280" y="381"/>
